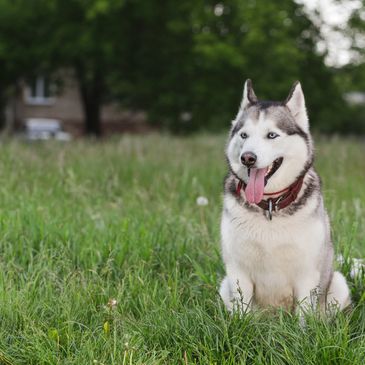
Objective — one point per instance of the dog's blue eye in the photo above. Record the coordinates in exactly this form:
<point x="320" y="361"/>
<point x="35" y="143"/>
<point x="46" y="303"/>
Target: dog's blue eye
<point x="243" y="135"/>
<point x="272" y="135"/>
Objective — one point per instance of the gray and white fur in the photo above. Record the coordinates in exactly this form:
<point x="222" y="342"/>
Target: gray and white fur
<point x="281" y="262"/>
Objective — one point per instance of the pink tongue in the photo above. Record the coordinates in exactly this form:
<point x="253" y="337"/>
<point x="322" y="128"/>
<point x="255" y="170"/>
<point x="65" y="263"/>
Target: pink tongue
<point x="255" y="188"/>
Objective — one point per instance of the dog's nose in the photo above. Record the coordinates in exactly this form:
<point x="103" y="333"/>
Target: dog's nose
<point x="248" y="159"/>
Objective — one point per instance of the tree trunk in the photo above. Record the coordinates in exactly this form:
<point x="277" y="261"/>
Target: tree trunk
<point x="92" y="112"/>
<point x="2" y="109"/>
<point x="91" y="90"/>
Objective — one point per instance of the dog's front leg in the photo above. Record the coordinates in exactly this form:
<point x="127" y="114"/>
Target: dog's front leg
<point x="241" y="289"/>
<point x="306" y="294"/>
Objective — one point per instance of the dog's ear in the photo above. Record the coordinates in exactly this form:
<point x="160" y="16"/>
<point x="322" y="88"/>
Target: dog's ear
<point x="296" y="104"/>
<point x="248" y="99"/>
<point x="249" y="96"/>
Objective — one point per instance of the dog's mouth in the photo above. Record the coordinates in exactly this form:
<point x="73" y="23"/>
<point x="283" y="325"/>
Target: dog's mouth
<point x="273" y="168"/>
<point x="258" y="178"/>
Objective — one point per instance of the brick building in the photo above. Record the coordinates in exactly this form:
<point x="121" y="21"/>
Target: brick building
<point x="40" y="100"/>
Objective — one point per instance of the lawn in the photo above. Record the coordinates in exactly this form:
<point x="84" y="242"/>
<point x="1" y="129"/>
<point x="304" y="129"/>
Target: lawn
<point x="107" y="259"/>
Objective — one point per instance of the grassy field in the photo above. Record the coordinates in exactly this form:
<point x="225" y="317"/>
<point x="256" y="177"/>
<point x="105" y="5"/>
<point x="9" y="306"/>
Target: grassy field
<point x="84" y="223"/>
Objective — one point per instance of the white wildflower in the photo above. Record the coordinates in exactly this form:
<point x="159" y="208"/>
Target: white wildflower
<point x="202" y="201"/>
<point x="112" y="303"/>
<point x="340" y="259"/>
<point x="357" y="267"/>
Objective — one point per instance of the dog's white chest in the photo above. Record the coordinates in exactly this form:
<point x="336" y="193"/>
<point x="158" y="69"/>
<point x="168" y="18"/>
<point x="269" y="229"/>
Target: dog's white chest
<point x="274" y="254"/>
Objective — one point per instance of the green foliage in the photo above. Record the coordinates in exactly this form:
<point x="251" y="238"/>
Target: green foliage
<point x="193" y="60"/>
<point x="183" y="62"/>
<point x="17" y="58"/>
<point x="352" y="76"/>
<point x="80" y="227"/>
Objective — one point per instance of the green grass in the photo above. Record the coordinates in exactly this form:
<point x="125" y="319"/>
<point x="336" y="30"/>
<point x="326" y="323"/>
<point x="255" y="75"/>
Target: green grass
<point x="85" y="222"/>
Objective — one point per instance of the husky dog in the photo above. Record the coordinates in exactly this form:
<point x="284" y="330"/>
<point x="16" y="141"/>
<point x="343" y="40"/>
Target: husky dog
<point x="276" y="241"/>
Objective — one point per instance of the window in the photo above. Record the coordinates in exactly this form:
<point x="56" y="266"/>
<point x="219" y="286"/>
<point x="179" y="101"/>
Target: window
<point x="39" y="91"/>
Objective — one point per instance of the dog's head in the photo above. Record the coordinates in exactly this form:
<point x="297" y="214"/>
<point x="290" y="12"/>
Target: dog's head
<point x="270" y="145"/>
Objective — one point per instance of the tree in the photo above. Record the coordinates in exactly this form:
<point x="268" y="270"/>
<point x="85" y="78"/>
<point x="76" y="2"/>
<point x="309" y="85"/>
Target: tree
<point x="156" y="47"/>
<point x="19" y="57"/>
<point x="272" y="43"/>
<point x="187" y="63"/>
<point x="352" y="76"/>
<point x="183" y="62"/>
<point x="82" y="38"/>
<point x="43" y="36"/>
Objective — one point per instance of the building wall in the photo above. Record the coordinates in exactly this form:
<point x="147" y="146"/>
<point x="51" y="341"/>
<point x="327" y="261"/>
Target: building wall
<point x="67" y="108"/>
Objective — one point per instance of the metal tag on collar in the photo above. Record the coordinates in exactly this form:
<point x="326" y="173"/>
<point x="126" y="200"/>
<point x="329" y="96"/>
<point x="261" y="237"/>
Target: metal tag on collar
<point x="276" y="205"/>
<point x="269" y="211"/>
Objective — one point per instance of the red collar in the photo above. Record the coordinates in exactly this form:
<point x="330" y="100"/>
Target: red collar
<point x="280" y="202"/>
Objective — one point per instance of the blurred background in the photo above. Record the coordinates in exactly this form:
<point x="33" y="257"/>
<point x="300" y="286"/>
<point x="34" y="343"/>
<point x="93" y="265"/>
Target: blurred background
<point x="96" y="67"/>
